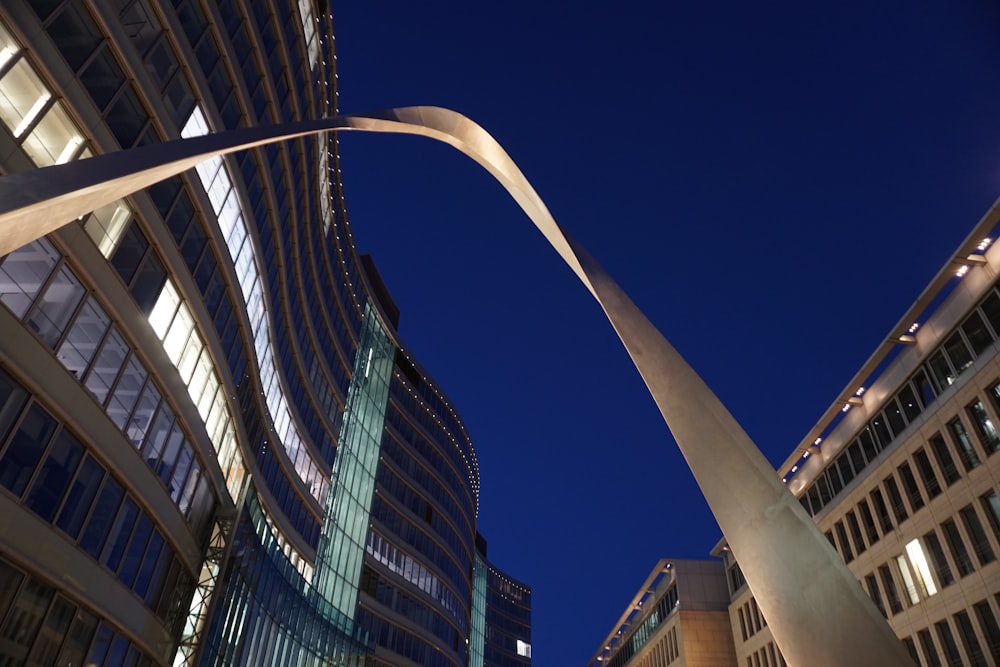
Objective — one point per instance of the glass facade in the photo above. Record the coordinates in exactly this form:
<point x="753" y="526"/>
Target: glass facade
<point x="202" y="398"/>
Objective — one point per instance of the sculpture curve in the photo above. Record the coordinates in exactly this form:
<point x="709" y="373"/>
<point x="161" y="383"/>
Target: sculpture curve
<point x="816" y="609"/>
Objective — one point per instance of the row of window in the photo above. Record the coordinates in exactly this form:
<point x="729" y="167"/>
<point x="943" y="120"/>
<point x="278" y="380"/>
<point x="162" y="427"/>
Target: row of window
<point x="385" y="633"/>
<point x="751" y="620"/>
<point x="940" y="648"/>
<point x="942" y="367"/>
<point x="41" y="627"/>
<point x="39" y="287"/>
<point x="51" y="473"/>
<point x="766" y="656"/>
<point x="927" y="567"/>
<point x="664" y="608"/>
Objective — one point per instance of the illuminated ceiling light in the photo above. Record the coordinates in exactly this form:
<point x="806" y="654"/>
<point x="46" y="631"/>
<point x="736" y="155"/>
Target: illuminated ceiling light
<point x="983" y="245"/>
<point x="913" y="327"/>
<point x="806" y="455"/>
<point x="860" y="391"/>
<point x="794" y="468"/>
<point x="962" y="270"/>
<point x="847" y="406"/>
<point x="817" y="441"/>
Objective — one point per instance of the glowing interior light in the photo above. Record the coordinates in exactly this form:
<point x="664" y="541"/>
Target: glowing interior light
<point x="913" y="327"/>
<point x="33" y="112"/>
<point x="983" y="245"/>
<point x="71" y="147"/>
<point x="6" y="53"/>
<point x="860" y="391"/>
<point x="847" y="406"/>
<point x="919" y="560"/>
<point x="962" y="270"/>
<point x="817" y="441"/>
<point x="795" y="468"/>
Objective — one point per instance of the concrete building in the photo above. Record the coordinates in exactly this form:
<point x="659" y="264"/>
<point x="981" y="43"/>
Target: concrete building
<point x="677" y="618"/>
<point x="214" y="446"/>
<point x="901" y="475"/>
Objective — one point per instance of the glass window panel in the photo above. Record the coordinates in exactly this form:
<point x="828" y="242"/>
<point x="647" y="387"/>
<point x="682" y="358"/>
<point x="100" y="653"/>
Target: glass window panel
<point x="107" y="224"/>
<point x="991" y="309"/>
<point x="118" y="538"/>
<point x="180" y="473"/>
<point x="972" y="647"/>
<point x="991" y="631"/>
<point x="75" y="34"/>
<point x="12" y="399"/>
<point x="126" y="118"/>
<point x="81" y="495"/>
<point x="22" y="97"/>
<point x="10" y="581"/>
<point x="980" y="543"/>
<point x="965" y="449"/>
<point x="948" y="645"/>
<point x="868" y="445"/>
<point x="54" y="309"/>
<point x="99" y="650"/>
<point x="143" y="414"/>
<point x="25" y="449"/>
<point x="126" y="393"/>
<point x="975" y="331"/>
<point x="148" y="568"/>
<point x="136" y="549"/>
<point x="128" y="257"/>
<point x="52" y="633"/>
<point x="894" y="415"/>
<point x="958" y="353"/>
<point x="54" y="476"/>
<point x="55" y="139"/>
<point x="84" y="337"/>
<point x="944" y="459"/>
<point x="881" y="431"/>
<point x="148" y="283"/>
<point x="983" y="424"/>
<point x="24" y="272"/>
<point x="909" y="587"/>
<point x="156" y="439"/>
<point x="941" y="371"/>
<point x="170" y="453"/>
<point x="74" y="648"/>
<point x="908" y="401"/>
<point x="925" y="391"/>
<point x="857" y="456"/>
<point x="927" y="474"/>
<point x="956" y="545"/>
<point x="107" y="365"/>
<point x="910" y="484"/>
<point x="868" y="522"/>
<point x="105" y="510"/>
<point x="895" y="499"/>
<point x="936" y="554"/>
<point x="24" y="620"/>
<point x="921" y="570"/>
<point x="891" y="592"/>
<point x="855" y="528"/>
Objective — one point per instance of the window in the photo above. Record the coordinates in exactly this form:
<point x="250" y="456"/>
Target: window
<point x="988" y="623"/>
<point x="927" y="474"/>
<point x="943" y="457"/>
<point x="868" y="522"/>
<point x="921" y="570"/>
<point x="985" y="429"/>
<point x="25" y="449"/>
<point x="895" y="499"/>
<point x="873" y="592"/>
<point x="878" y="502"/>
<point x="977" y="333"/>
<point x="948" y="645"/>
<point x="959" y="554"/>
<point x="910" y="484"/>
<point x="908" y="583"/>
<point x="938" y="560"/>
<point x="891" y="592"/>
<point x="969" y="640"/>
<point x="931" y="658"/>
<point x="855" y="528"/>
<point x="845" y="546"/>
<point x="965" y="449"/>
<point x="980" y="543"/>
<point x="941" y="371"/>
<point x="958" y="352"/>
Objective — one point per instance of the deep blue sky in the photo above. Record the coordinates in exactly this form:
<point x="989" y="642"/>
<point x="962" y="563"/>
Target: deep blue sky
<point x="772" y="183"/>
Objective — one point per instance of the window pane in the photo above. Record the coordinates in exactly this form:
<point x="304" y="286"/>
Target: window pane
<point x="12" y="399"/>
<point x="965" y="449"/>
<point x="105" y="369"/>
<point x="891" y="592"/>
<point x="107" y="224"/>
<point x="25" y="449"/>
<point x="105" y="510"/>
<point x="53" y="630"/>
<point x="81" y="495"/>
<point x="136" y="549"/>
<point x="130" y="252"/>
<point x="143" y="414"/>
<point x="956" y="545"/>
<point x="55" y="139"/>
<point x="980" y="543"/>
<point x="908" y="401"/>
<point x="56" y="306"/>
<point x="22" y="97"/>
<point x="938" y="560"/>
<point x="23" y="273"/>
<point x="985" y="429"/>
<point x="927" y="474"/>
<point x="54" y="477"/>
<point x="969" y="640"/>
<point x="148" y="283"/>
<point x="75" y="34"/>
<point x="868" y="522"/>
<point x="988" y="623"/>
<point x="120" y="533"/>
<point x="895" y="499"/>
<point x="24" y="620"/>
<point x="77" y="639"/>
<point x="948" y="644"/>
<point x="931" y="658"/>
<point x="941" y="371"/>
<point x="978" y="335"/>
<point x="910" y="484"/>
<point x="944" y="459"/>
<point x="132" y="380"/>
<point x="84" y="337"/>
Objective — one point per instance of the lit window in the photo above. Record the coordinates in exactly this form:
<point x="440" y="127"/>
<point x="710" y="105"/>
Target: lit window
<point x="920" y="567"/>
<point x="523" y="649"/>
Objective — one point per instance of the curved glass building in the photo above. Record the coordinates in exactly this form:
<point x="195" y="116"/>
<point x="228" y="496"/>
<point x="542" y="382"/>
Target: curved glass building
<point x="214" y="446"/>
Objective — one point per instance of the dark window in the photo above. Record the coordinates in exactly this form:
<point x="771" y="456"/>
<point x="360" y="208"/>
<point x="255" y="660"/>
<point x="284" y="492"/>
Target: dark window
<point x="944" y="459"/>
<point x="956" y="545"/>
<point x="969" y="640"/>
<point x="988" y="623"/>
<point x="985" y="429"/>
<point x="992" y="506"/>
<point x="857" y="456"/>
<point x="873" y="592"/>
<point x="130" y="253"/>
<point x="881" y="431"/>
<point x="911" y="648"/>
<point x="991" y="309"/>
<point x="927" y="474"/>
<point x="81" y="495"/>
<point x="908" y="401"/>
<point x="948" y="645"/>
<point x="974" y="527"/>
<point x="895" y="416"/>
<point x="868" y="445"/>
<point x="102" y="78"/>
<point x="931" y="658"/>
<point x="975" y="330"/>
<point x="895" y="499"/>
<point x="966" y="450"/>
<point x="105" y="510"/>
<point x="941" y="371"/>
<point x="148" y="283"/>
<point x="855" y="528"/>
<point x="24" y="621"/>
<point x="910" y="484"/>
<point x="126" y="118"/>
<point x="891" y="592"/>
<point x="12" y="399"/>
<point x="925" y="391"/>
<point x="881" y="511"/>
<point x="957" y="351"/>
<point x="25" y="449"/>
<point x="845" y="546"/>
<point x="868" y="522"/>
<point x="938" y="560"/>
<point x="75" y="35"/>
<point x="54" y="476"/>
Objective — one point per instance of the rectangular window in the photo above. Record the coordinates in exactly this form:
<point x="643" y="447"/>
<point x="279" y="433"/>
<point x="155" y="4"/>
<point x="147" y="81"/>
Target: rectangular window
<point x="965" y="449"/>
<point x="894" y="415"/>
<point x="944" y="459"/>
<point x="895" y="499"/>
<point x="855" y="528"/>
<point x="25" y="449"/>
<point x="992" y="506"/>
<point x="956" y="545"/>
<point x="891" y="592"/>
<point x="941" y="371"/>
<point x="921" y="570"/>
<point x="925" y="392"/>
<point x="969" y="640"/>
<point x="868" y="522"/>
<point x="24" y="272"/>
<point x="908" y="401"/>
<point x="931" y="658"/>
<point x="985" y="429"/>
<point x="84" y="337"/>
<point x="958" y="352"/>
<point x="977" y="333"/>
<point x="54" y="476"/>
<point x="927" y="474"/>
<point x="881" y="511"/>
<point x="988" y="624"/>
<point x="938" y="560"/>
<point x="910" y="484"/>
<point x="948" y="645"/>
<point x="980" y="542"/>
<point x="845" y="546"/>
<point x="909" y="586"/>
<point x="53" y="310"/>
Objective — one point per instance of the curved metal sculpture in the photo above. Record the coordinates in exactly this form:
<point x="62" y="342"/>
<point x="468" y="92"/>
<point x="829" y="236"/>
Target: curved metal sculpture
<point x="816" y="609"/>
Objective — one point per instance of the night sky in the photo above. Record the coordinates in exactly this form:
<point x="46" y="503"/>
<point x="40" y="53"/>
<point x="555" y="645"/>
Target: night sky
<point x="773" y="184"/>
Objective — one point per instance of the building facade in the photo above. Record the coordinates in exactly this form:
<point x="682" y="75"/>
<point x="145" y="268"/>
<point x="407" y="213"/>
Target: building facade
<point x="677" y="618"/>
<point x="214" y="446"/>
<point x="901" y="476"/>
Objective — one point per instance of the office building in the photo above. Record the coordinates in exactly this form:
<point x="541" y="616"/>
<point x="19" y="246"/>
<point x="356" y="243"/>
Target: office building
<point x="214" y="446"/>
<point x="902" y="477"/>
<point x="677" y="618"/>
